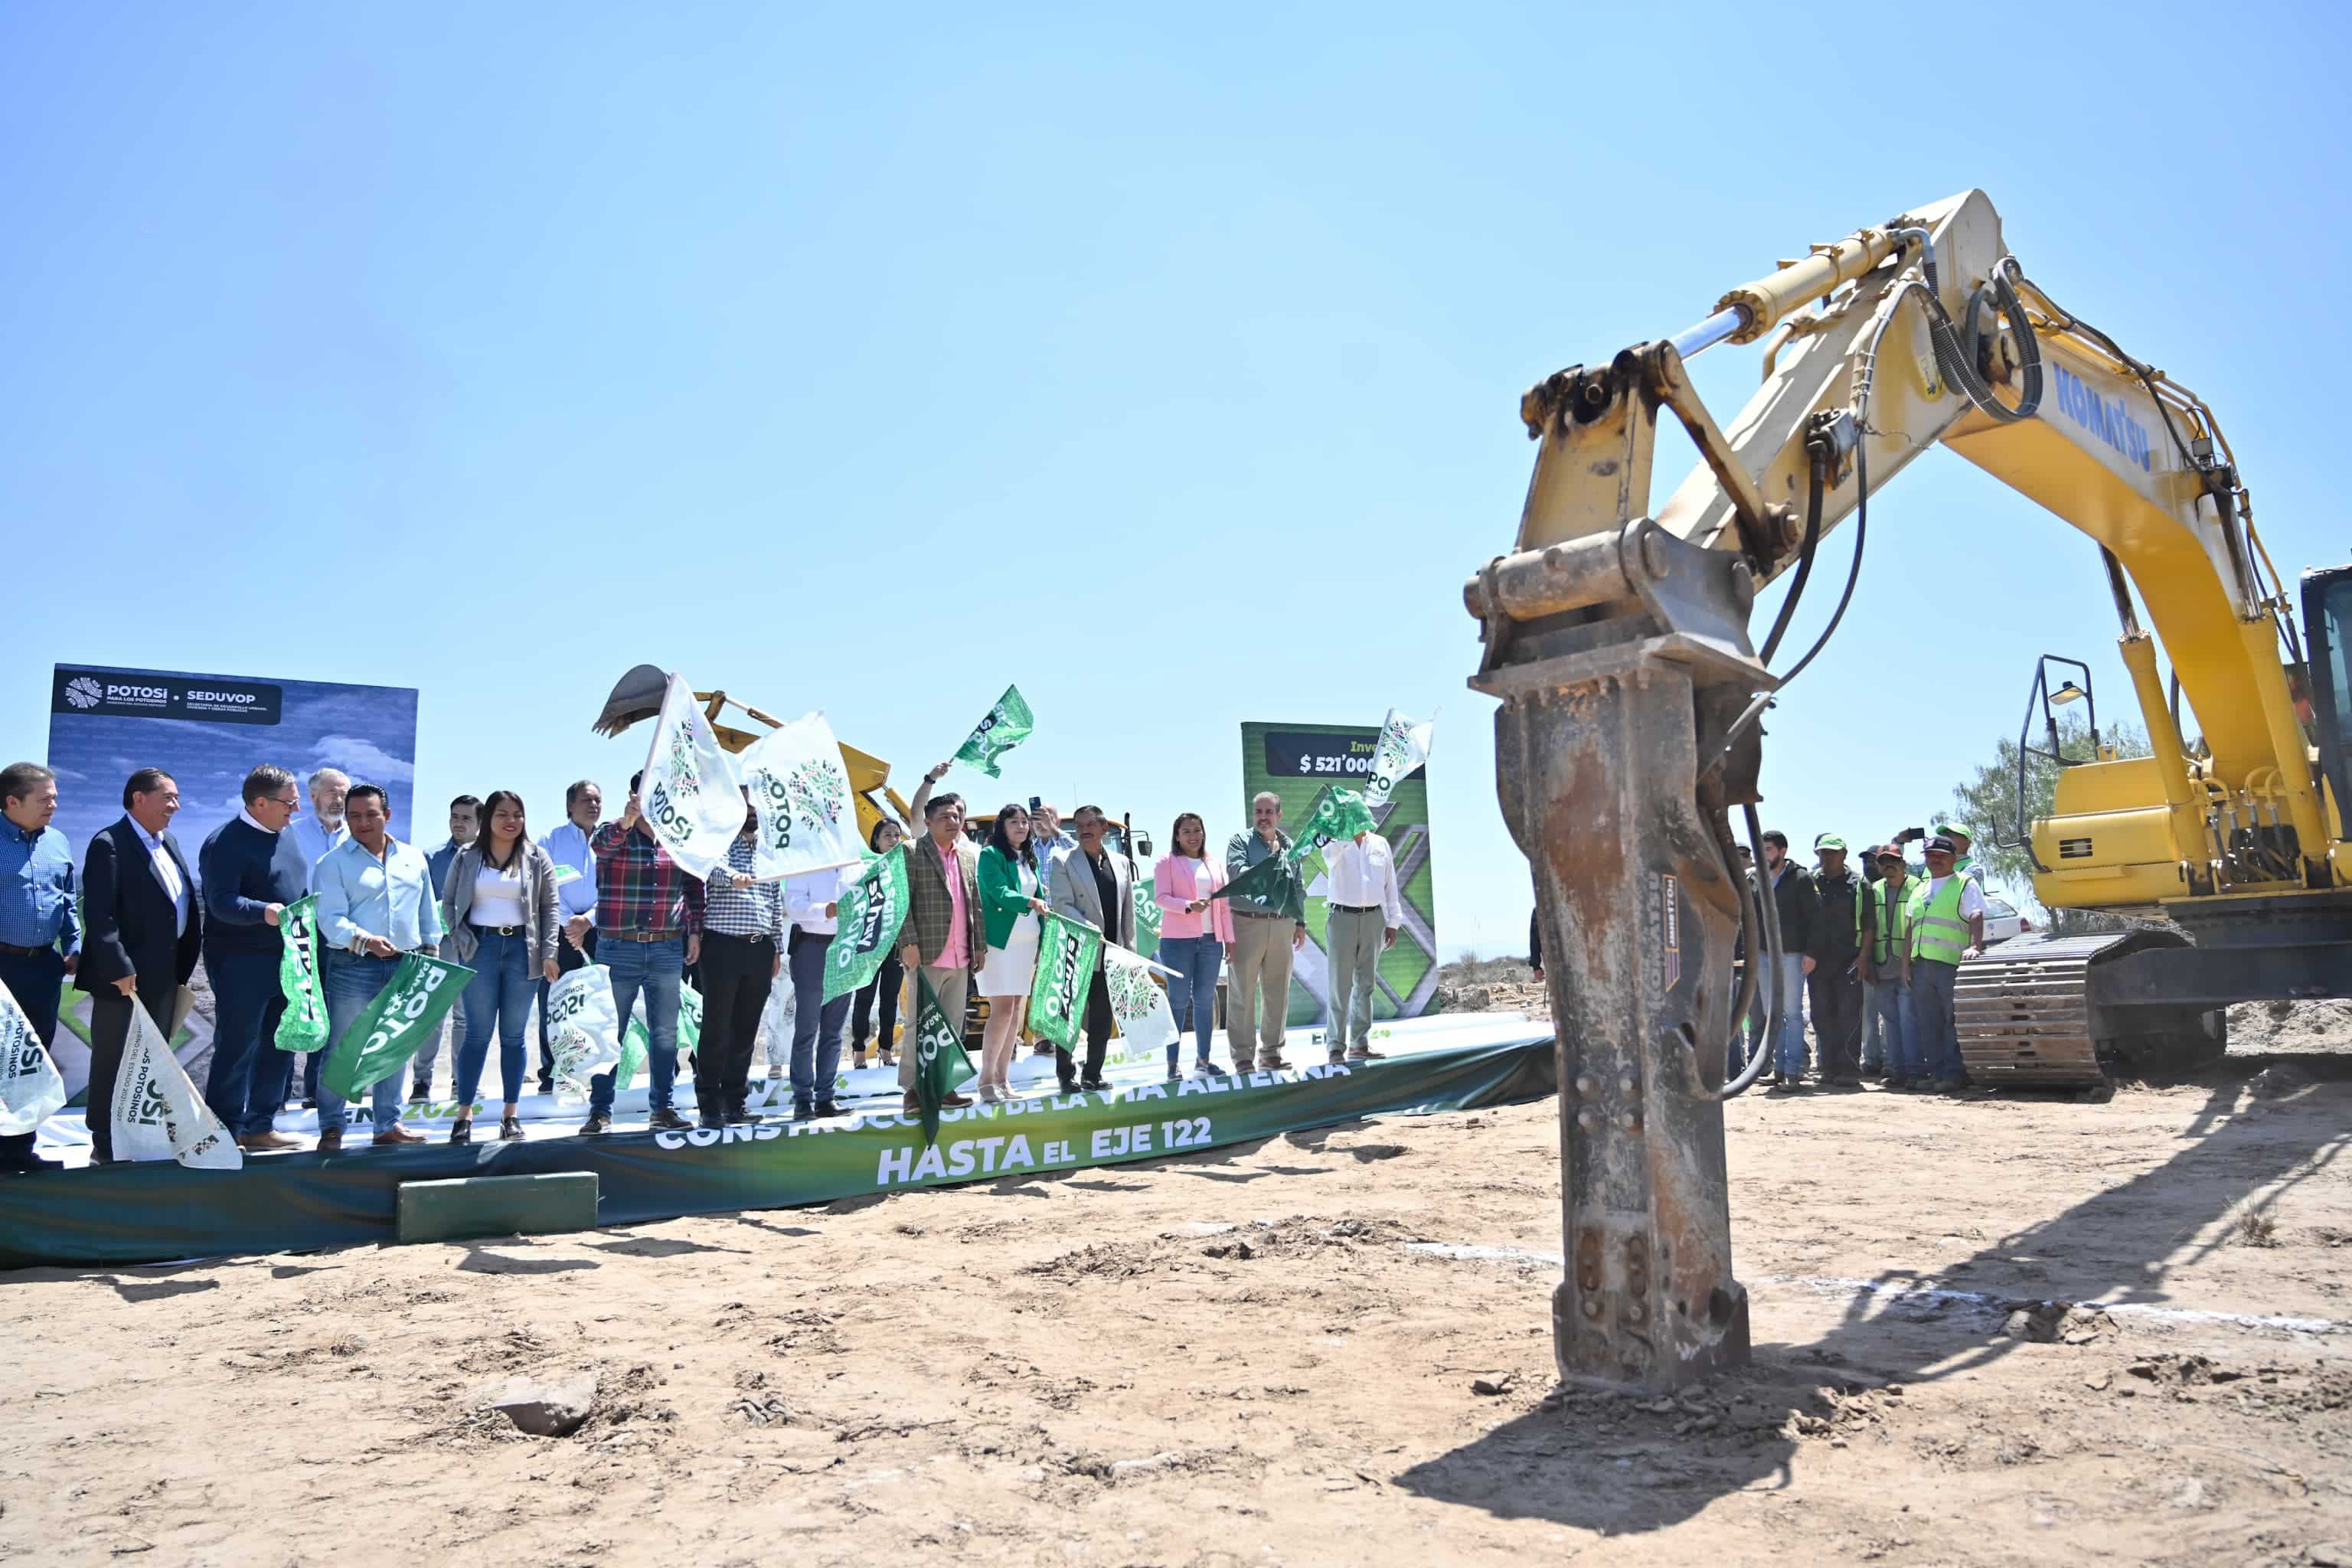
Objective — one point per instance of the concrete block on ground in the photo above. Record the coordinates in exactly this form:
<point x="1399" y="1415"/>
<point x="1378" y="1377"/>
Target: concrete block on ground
<point x="496" y="1206"/>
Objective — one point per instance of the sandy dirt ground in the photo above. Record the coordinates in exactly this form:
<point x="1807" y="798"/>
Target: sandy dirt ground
<point x="1328" y="1348"/>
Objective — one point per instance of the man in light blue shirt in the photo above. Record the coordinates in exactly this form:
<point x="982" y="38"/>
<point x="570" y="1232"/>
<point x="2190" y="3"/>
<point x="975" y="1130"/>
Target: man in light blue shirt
<point x="40" y="933"/>
<point x="575" y="900"/>
<point x="377" y="903"/>
<point x="324" y="828"/>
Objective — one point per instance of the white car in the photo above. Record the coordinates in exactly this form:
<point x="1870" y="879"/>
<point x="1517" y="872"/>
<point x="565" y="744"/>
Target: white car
<point x="2003" y="920"/>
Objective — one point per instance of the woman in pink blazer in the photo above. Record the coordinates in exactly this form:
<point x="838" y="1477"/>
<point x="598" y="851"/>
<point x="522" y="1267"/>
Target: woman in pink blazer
<point x="1195" y="935"/>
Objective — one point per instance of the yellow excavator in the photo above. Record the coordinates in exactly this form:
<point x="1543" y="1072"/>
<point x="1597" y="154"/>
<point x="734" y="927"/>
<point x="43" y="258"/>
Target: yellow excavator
<point x="1616" y="637"/>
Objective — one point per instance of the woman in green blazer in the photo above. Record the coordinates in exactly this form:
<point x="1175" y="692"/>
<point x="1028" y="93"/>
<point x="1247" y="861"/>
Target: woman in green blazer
<point x="1011" y="883"/>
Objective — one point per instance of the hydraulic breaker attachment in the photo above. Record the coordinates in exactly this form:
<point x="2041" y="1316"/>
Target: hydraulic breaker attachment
<point x="1622" y="660"/>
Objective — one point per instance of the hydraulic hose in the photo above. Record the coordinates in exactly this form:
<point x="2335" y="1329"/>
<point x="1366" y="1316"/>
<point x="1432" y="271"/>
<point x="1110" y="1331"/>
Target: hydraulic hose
<point x="1814" y="490"/>
<point x="1756" y="899"/>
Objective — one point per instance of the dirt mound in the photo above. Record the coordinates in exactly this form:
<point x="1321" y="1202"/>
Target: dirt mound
<point x="2291" y="1026"/>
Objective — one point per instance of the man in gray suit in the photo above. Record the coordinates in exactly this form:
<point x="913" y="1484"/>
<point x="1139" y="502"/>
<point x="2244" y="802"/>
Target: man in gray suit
<point x="1091" y="884"/>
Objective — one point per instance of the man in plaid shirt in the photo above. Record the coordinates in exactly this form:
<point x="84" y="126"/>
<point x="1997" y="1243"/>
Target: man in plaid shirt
<point x="742" y="952"/>
<point x="648" y="929"/>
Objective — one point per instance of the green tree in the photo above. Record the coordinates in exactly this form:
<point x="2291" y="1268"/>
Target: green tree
<point x="1987" y="802"/>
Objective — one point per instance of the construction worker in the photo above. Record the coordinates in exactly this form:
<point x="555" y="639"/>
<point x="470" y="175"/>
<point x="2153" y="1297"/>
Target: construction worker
<point x="1946" y="913"/>
<point x="1792" y="892"/>
<point x="1962" y="861"/>
<point x="1835" y="984"/>
<point x="1884" y="935"/>
<point x="1874" y="1058"/>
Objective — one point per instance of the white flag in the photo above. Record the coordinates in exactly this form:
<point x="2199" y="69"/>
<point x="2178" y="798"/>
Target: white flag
<point x="691" y="796"/>
<point x="31" y="1088"/>
<point x="158" y="1115"/>
<point x="801" y="790"/>
<point x="1139" y="1006"/>
<point x="584" y="1028"/>
<point x="1403" y="746"/>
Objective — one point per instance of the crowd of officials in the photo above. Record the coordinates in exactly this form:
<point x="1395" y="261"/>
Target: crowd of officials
<point x="521" y="912"/>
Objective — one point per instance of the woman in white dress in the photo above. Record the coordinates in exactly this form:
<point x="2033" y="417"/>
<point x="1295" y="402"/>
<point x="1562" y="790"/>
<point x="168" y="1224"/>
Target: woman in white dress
<point x="1011" y="883"/>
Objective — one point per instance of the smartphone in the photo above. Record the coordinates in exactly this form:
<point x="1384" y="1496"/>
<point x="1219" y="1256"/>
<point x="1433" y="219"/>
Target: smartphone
<point x="1034" y="802"/>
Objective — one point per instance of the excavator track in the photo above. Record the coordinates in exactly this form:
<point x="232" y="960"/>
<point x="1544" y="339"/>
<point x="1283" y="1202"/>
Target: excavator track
<point x="2036" y="1012"/>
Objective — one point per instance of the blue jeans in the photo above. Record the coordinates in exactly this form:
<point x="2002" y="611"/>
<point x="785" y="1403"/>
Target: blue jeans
<point x="652" y="968"/>
<point x="816" y="1025"/>
<point x="1789" y="1057"/>
<point x="246" y="1083"/>
<point x="1192" y="989"/>
<point x="501" y="992"/>
<point x="1898" y="1032"/>
<point x="351" y="984"/>
<point x="1873" y="1051"/>
<point x="1939" y="1046"/>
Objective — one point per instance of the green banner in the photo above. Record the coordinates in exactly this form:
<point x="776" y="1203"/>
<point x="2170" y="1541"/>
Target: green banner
<point x="1007" y="725"/>
<point x="941" y="1065"/>
<point x="303" y="1025"/>
<point x="1066" y="954"/>
<point x="148" y="1213"/>
<point x="1296" y="762"/>
<point x="872" y="909"/>
<point x="1264" y="881"/>
<point x="391" y="1028"/>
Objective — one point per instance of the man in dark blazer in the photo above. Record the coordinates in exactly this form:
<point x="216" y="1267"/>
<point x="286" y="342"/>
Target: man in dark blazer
<point x="142" y="930"/>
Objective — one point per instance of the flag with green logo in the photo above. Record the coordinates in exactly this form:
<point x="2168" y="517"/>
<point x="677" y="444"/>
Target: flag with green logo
<point x="583" y="1031"/>
<point x="1007" y="725"/>
<point x="873" y="908"/>
<point x="31" y="1088"/>
<point x="800" y="794"/>
<point x="1138" y="1004"/>
<point x="391" y="1029"/>
<point x="1338" y="814"/>
<point x="1066" y="956"/>
<point x="1403" y="746"/>
<point x="690" y="795"/>
<point x="157" y="1112"/>
<point x="940" y="1064"/>
<point x="303" y="1025"/>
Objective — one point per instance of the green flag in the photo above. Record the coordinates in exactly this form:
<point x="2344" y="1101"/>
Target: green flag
<point x="1265" y="880"/>
<point x="1007" y="725"/>
<point x="1338" y="814"/>
<point x="1146" y="917"/>
<point x="1066" y="956"/>
<point x="872" y="910"/>
<point x="941" y="1065"/>
<point x="389" y="1030"/>
<point x="303" y="1025"/>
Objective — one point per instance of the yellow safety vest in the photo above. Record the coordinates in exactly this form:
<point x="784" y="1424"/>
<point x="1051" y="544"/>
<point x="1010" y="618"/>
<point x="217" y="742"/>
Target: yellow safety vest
<point x="1937" y="932"/>
<point x="1891" y="931"/>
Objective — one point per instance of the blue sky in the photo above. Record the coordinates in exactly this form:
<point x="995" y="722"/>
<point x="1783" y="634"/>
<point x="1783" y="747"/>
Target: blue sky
<point x="1164" y="363"/>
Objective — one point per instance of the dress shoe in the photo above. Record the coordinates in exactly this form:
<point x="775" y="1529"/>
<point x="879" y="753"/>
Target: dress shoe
<point x="711" y="1119"/>
<point x="668" y="1120"/>
<point x="1069" y="1086"/>
<point x="826" y="1107"/>
<point x="396" y="1135"/>
<point x="462" y="1130"/>
<point x="331" y="1142"/>
<point x="1270" y="1062"/>
<point x="743" y="1116"/>
<point x="598" y="1124"/>
<point x="510" y="1129"/>
<point x="270" y="1142"/>
<point x="1094" y="1086"/>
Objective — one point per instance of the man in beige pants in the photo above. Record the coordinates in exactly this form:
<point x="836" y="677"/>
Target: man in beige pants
<point x="1266" y="931"/>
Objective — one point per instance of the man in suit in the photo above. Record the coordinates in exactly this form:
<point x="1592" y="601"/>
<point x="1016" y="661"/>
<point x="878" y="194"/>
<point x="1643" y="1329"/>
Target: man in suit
<point x="943" y="937"/>
<point x="143" y="932"/>
<point x="1093" y="885"/>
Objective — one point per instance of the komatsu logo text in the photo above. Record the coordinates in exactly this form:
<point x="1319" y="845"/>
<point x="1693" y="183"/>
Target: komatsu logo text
<point x="2103" y="418"/>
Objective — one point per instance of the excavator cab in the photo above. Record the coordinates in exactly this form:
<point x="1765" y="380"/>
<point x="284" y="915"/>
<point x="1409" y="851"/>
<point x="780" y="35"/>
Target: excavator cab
<point x="2327" y="624"/>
